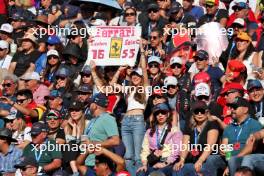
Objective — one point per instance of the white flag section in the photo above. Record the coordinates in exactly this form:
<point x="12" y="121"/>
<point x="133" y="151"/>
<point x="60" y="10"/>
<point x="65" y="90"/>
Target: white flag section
<point x="114" y="45"/>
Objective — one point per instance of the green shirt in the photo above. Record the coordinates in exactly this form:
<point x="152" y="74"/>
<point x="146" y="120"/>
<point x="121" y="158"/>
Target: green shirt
<point x="100" y="129"/>
<point x="44" y="156"/>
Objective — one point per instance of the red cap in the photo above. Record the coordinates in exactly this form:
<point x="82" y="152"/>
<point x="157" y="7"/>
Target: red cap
<point x="235" y="67"/>
<point x="201" y="77"/>
<point x="157" y="92"/>
<point x="232" y="86"/>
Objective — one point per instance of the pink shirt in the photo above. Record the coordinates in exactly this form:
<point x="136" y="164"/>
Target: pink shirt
<point x="40" y="93"/>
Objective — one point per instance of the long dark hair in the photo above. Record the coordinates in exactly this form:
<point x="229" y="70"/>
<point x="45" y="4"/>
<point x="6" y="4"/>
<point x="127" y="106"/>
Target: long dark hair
<point x="154" y="123"/>
<point x="249" y="51"/>
<point x="48" y="68"/>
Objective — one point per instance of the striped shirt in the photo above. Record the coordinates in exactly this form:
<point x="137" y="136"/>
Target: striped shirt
<point x="9" y="160"/>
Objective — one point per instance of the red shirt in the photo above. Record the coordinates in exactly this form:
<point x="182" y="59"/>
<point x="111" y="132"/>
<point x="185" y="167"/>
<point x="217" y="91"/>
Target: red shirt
<point x="3" y="7"/>
<point x="28" y="119"/>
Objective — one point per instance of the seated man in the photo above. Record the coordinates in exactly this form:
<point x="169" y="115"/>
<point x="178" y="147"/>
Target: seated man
<point x="48" y="160"/>
<point x="9" y="154"/>
<point x="238" y="132"/>
<point x="28" y="166"/>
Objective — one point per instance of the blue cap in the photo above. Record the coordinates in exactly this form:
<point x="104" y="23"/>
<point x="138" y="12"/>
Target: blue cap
<point x="253" y="25"/>
<point x="53" y="94"/>
<point x="53" y="39"/>
<point x="161" y="107"/>
<point x="241" y="5"/>
<point x="86" y="70"/>
<point x="202" y="54"/>
<point x="63" y="72"/>
<point x="17" y="16"/>
<point x="85" y="88"/>
<point x="100" y="99"/>
<point x="254" y="83"/>
<point x="38" y="127"/>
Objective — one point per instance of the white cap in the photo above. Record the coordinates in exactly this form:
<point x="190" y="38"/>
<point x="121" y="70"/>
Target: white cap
<point x="98" y="22"/>
<point x="4" y="44"/>
<point x="202" y="89"/>
<point x="138" y="71"/>
<point x="154" y="59"/>
<point x="6" y="27"/>
<point x="240" y="21"/>
<point x="176" y="60"/>
<point x="11" y="115"/>
<point x="31" y="76"/>
<point x="52" y="52"/>
<point x="170" y="80"/>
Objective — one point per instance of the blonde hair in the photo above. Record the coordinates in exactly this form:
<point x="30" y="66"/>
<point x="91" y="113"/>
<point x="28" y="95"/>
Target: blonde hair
<point x="21" y="125"/>
<point x="81" y="123"/>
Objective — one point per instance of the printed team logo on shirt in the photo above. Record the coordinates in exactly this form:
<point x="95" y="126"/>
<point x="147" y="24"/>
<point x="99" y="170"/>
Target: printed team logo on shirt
<point x="123" y="173"/>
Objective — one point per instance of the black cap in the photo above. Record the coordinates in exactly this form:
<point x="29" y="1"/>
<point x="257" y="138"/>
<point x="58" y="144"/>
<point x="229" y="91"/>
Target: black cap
<point x="104" y="159"/>
<point x="239" y="102"/>
<point x="6" y="134"/>
<point x="199" y="105"/>
<point x="38" y="127"/>
<point x="85" y="88"/>
<point x="153" y="6"/>
<point x="202" y="54"/>
<point x="175" y="8"/>
<point x="76" y="105"/>
<point x="27" y="161"/>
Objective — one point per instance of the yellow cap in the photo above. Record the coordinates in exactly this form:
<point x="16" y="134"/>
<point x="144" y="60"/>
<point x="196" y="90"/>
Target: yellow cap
<point x="244" y="36"/>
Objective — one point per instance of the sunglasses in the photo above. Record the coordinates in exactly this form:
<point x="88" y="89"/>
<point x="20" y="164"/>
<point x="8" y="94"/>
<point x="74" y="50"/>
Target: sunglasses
<point x="160" y="112"/>
<point x="84" y="93"/>
<point x="130" y="14"/>
<point x="227" y="93"/>
<point x="60" y="77"/>
<point x="237" y="9"/>
<point x="197" y="111"/>
<point x="153" y="37"/>
<point x="171" y="87"/>
<point x="53" y="57"/>
<point x="153" y="10"/>
<point x="241" y="40"/>
<point x="173" y="66"/>
<point x="85" y="75"/>
<point x="255" y="90"/>
<point x="209" y="6"/>
<point x="75" y="110"/>
<point x="233" y="106"/>
<point x="157" y="96"/>
<point x="153" y="65"/>
<point x="203" y="97"/>
<point x="52" y="118"/>
<point x="199" y="59"/>
<point x="7" y="85"/>
<point x="20" y="101"/>
<point x="24" y="168"/>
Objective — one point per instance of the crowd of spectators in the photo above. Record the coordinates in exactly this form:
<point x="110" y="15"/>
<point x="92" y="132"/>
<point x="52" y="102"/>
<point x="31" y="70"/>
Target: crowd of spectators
<point x="205" y="115"/>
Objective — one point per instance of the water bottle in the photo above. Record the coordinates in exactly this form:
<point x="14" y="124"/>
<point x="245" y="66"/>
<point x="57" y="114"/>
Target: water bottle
<point x="13" y="49"/>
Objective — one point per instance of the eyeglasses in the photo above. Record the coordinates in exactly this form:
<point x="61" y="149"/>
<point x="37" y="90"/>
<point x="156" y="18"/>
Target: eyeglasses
<point x="173" y="66"/>
<point x="130" y="14"/>
<point x="7" y="85"/>
<point x="209" y="6"/>
<point x="60" y="77"/>
<point x="255" y="90"/>
<point x="171" y="87"/>
<point x="160" y="112"/>
<point x="20" y="101"/>
<point x="153" y="37"/>
<point x="153" y="65"/>
<point x="203" y="97"/>
<point x="153" y="10"/>
<point x="197" y="111"/>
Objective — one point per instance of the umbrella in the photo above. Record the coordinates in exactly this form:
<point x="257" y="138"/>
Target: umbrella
<point x="107" y="3"/>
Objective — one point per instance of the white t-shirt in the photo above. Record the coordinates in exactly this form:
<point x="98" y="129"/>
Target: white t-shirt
<point x="23" y="136"/>
<point x="5" y="62"/>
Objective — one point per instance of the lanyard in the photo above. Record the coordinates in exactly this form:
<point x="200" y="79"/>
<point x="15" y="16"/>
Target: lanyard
<point x="91" y="124"/>
<point x="240" y="131"/>
<point x="259" y="113"/>
<point x="38" y="156"/>
<point x="3" y="62"/>
<point x="159" y="138"/>
<point x="196" y="136"/>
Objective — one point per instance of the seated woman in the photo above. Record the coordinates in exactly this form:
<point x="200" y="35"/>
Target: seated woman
<point x="160" y="142"/>
<point x="199" y="138"/>
<point x="21" y="132"/>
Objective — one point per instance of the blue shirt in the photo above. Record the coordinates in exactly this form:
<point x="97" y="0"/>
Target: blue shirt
<point x="239" y="133"/>
<point x="8" y="161"/>
<point x="197" y="12"/>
